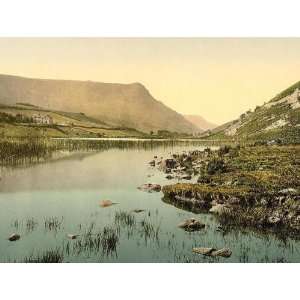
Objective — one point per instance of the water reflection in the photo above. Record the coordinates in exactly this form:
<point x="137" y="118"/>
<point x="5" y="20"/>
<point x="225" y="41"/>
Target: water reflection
<point x="46" y="202"/>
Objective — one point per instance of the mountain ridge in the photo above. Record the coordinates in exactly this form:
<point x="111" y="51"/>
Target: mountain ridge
<point x="200" y="122"/>
<point x="117" y="104"/>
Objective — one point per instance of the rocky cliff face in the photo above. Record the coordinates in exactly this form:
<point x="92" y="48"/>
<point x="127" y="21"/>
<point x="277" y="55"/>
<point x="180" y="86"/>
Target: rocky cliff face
<point x="278" y="118"/>
<point x="126" y="105"/>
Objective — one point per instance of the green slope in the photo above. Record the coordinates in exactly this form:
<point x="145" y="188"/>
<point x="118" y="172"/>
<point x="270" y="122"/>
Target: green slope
<point x="277" y="119"/>
<point x="66" y="124"/>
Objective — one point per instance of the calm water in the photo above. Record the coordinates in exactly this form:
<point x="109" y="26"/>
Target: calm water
<point x="69" y="190"/>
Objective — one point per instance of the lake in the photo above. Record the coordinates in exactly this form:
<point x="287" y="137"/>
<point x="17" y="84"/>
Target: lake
<point x="47" y="201"/>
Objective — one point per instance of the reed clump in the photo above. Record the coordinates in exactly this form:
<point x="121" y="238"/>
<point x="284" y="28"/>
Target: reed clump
<point x="104" y="241"/>
<point x="31" y="224"/>
<point x="123" y="218"/>
<point x="49" y="256"/>
<point x="149" y="231"/>
<point x="53" y="223"/>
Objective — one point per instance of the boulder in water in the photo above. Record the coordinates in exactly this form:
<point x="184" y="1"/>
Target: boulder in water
<point x="203" y="251"/>
<point x="191" y="225"/>
<point x="150" y="187"/>
<point x="14" y="237"/>
<point x="106" y="203"/>
<point x="224" y="252"/>
<point x="152" y="163"/>
<point x="72" y="236"/>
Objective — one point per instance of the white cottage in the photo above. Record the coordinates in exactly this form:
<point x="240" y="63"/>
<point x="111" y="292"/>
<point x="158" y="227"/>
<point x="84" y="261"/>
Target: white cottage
<point x="42" y="119"/>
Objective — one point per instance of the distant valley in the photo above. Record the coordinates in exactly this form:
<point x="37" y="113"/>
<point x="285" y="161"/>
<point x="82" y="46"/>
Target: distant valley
<point x="200" y="122"/>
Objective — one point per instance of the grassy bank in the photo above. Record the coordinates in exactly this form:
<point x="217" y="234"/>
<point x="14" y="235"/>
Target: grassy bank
<point x="254" y="186"/>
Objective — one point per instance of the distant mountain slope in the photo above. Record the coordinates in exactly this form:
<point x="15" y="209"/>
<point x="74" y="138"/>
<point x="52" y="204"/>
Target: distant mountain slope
<point x="200" y="122"/>
<point x="128" y="105"/>
<point x="279" y="118"/>
<point x="18" y="121"/>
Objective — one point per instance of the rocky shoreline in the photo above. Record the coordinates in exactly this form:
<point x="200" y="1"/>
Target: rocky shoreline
<point x="251" y="186"/>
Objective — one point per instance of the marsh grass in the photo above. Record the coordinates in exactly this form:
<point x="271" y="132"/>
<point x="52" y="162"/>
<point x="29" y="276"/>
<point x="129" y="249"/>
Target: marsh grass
<point x="49" y="256"/>
<point x="149" y="230"/>
<point x="125" y="219"/>
<point x="23" y="151"/>
<point x="16" y="224"/>
<point x="53" y="223"/>
<point x="103" y="242"/>
<point x="30" y="149"/>
<point x="31" y="224"/>
<point x="110" y="239"/>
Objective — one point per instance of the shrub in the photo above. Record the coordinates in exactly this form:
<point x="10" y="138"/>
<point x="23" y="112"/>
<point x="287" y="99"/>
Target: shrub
<point x="216" y="166"/>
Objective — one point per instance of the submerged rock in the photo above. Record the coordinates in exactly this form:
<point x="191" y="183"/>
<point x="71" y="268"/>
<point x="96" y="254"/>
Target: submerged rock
<point x="191" y="225"/>
<point x="224" y="252"/>
<point x="150" y="187"/>
<point x="152" y="163"/>
<point x="72" y="236"/>
<point x="14" y="237"/>
<point x="169" y="177"/>
<point x="168" y="163"/>
<point x="106" y="203"/>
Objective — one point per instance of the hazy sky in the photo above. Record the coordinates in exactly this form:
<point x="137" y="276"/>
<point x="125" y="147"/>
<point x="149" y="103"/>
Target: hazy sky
<point x="216" y="78"/>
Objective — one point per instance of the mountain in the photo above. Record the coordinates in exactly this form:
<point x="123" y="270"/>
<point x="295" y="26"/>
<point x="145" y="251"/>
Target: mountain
<point x="277" y="119"/>
<point x="200" y="122"/>
<point x="123" y="105"/>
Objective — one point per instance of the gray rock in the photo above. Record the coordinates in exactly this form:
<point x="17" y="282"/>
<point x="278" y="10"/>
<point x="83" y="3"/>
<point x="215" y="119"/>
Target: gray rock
<point x="274" y="220"/>
<point x="224" y="252"/>
<point x="219" y="209"/>
<point x="264" y="202"/>
<point x="288" y="191"/>
<point x="191" y="225"/>
<point x="152" y="163"/>
<point x="203" y="251"/>
<point x="150" y="187"/>
<point x="14" y="237"/>
<point x="168" y="163"/>
<point x="72" y="236"/>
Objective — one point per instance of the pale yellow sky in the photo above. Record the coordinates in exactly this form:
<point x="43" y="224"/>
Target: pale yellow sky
<point x="216" y="78"/>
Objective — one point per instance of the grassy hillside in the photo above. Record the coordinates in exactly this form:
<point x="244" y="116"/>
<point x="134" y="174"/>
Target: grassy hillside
<point x="122" y="105"/>
<point x="277" y="119"/>
<point x="65" y="124"/>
